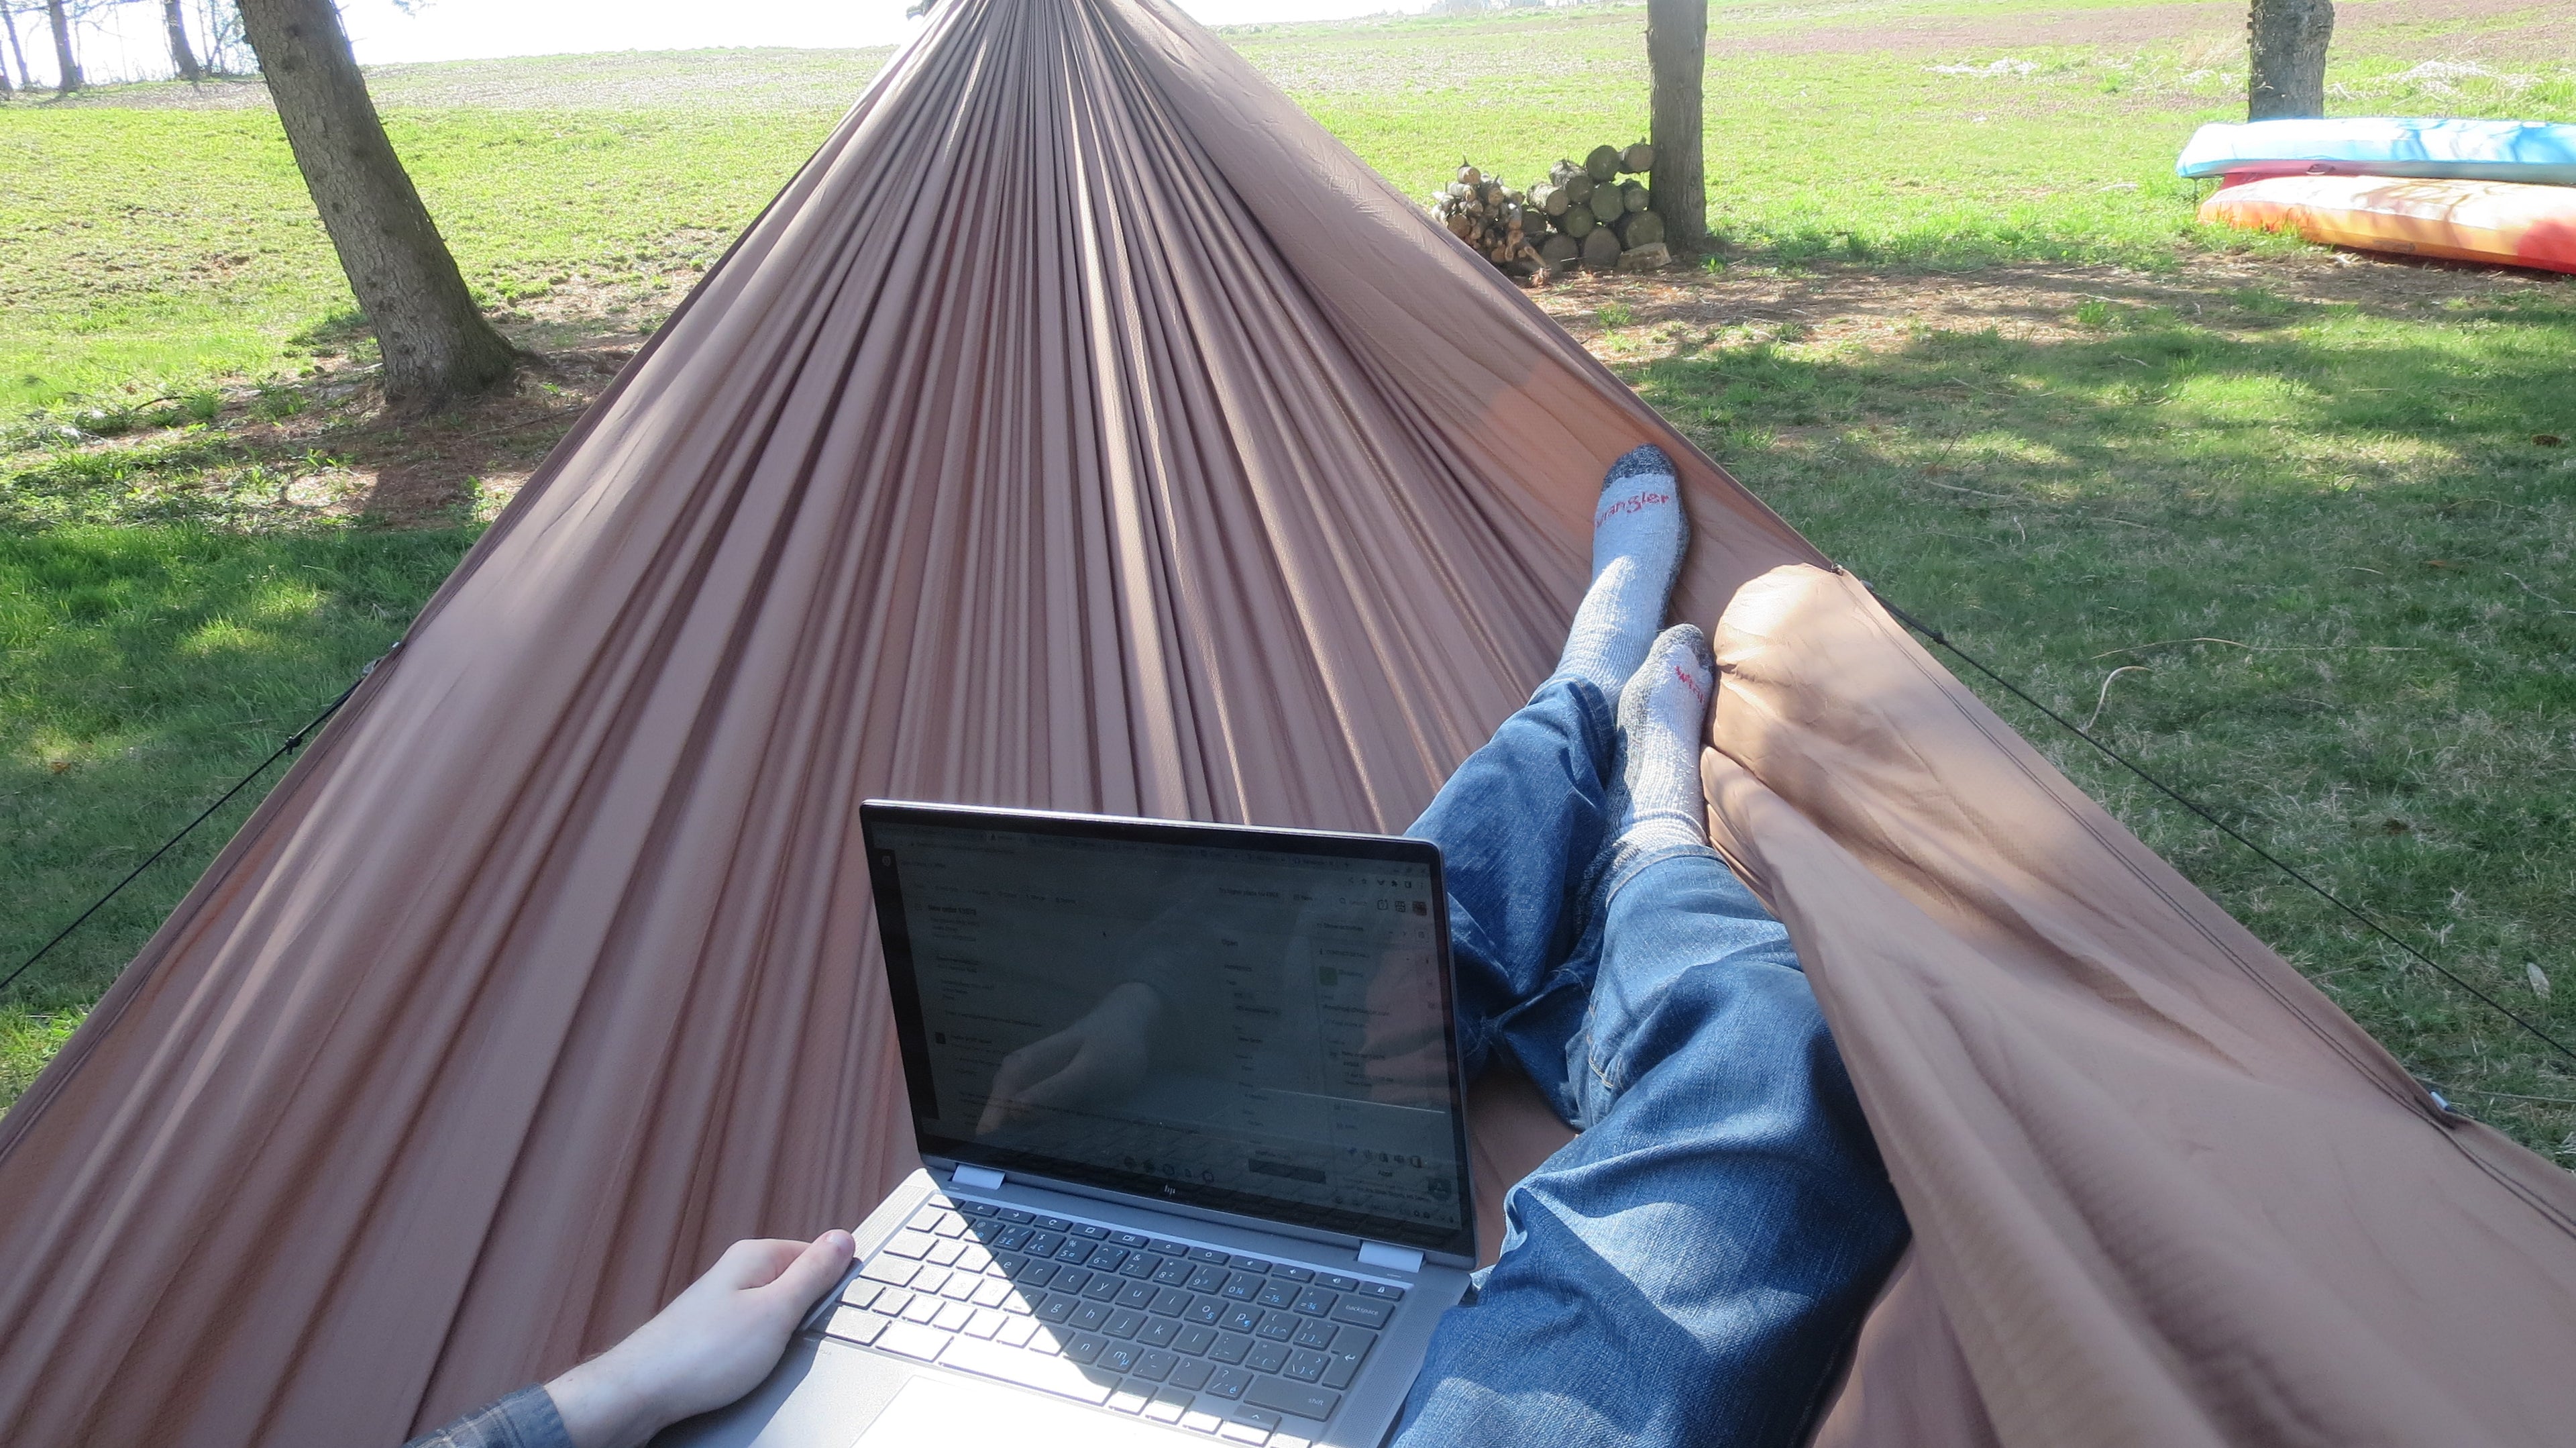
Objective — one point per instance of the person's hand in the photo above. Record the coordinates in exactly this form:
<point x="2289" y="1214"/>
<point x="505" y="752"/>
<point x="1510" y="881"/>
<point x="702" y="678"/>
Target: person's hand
<point x="1098" y="1058"/>
<point x="714" y="1343"/>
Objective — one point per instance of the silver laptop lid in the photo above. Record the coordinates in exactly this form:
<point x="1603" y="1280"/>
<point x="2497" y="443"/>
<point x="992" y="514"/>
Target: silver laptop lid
<point x="1249" y="1021"/>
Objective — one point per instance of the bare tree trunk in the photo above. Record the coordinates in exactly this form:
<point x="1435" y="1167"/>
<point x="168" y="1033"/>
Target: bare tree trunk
<point x="1677" y="54"/>
<point x="2286" y="75"/>
<point x="435" y="341"/>
<point x="180" y="55"/>
<point x="68" y="76"/>
<point x="26" y="77"/>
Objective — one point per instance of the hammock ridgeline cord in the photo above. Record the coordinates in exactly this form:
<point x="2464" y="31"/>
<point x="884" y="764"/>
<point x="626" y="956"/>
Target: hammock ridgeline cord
<point x="2222" y="826"/>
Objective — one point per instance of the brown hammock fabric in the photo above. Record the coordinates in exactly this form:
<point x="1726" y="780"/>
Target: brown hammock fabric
<point x="1196" y="474"/>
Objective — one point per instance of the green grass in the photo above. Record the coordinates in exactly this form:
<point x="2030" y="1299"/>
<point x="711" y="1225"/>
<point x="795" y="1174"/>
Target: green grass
<point x="1849" y="130"/>
<point x="2325" y="538"/>
<point x="27" y="1043"/>
<point x="143" y="668"/>
<point x="156" y="252"/>
<point x="2340" y="485"/>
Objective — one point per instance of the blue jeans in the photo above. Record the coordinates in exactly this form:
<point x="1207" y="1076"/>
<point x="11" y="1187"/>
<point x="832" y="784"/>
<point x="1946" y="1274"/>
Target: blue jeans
<point x="1691" y="1268"/>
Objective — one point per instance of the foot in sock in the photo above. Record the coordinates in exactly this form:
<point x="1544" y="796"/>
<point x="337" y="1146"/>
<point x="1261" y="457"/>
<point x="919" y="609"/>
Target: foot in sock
<point x="1663" y="719"/>
<point x="1638" y="533"/>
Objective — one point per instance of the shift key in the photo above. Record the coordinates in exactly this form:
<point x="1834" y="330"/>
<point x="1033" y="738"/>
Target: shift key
<point x="1045" y="1373"/>
<point x="1290" y="1397"/>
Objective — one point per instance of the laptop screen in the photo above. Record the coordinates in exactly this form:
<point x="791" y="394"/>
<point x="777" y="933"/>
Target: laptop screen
<point x="1252" y="1021"/>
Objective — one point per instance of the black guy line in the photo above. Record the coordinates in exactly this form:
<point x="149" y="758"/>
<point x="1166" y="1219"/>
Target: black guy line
<point x="2223" y="827"/>
<point x="293" y="742"/>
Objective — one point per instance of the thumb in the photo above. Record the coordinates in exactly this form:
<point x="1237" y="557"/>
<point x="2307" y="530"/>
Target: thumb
<point x="814" y="1270"/>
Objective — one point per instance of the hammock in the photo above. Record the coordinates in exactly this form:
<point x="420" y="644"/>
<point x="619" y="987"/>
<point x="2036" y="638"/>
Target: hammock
<point x="1194" y="474"/>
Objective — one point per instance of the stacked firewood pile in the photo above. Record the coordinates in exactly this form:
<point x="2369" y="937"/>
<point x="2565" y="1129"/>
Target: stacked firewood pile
<point x="1582" y="214"/>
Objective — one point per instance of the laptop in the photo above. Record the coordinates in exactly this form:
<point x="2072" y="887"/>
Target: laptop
<point x="1193" y="1142"/>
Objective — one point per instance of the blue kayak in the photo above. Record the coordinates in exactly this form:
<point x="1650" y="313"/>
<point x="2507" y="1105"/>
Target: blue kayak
<point x="2432" y="148"/>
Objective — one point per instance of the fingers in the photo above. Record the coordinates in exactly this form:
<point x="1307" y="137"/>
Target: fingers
<point x="752" y="1262"/>
<point x="813" y="1270"/>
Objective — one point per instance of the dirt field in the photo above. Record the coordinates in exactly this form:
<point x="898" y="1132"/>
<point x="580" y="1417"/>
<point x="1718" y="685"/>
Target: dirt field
<point x="2024" y="302"/>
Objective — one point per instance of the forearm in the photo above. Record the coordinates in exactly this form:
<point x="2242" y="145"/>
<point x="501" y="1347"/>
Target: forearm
<point x="603" y="1405"/>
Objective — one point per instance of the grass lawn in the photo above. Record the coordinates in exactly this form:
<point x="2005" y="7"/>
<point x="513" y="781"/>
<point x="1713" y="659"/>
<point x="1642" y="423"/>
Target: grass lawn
<point x="2278" y="523"/>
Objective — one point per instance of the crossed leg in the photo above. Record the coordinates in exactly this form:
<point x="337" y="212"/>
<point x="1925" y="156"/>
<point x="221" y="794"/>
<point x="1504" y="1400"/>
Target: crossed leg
<point x="1690" y="1268"/>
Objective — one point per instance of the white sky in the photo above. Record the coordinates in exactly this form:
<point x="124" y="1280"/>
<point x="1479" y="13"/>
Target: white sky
<point x="125" y="40"/>
<point x="464" y="29"/>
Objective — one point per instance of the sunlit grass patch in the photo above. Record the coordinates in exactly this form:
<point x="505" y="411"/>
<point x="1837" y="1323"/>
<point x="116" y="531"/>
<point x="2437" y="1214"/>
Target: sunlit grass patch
<point x="27" y="1042"/>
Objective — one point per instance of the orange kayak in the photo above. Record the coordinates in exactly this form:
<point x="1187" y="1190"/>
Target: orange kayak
<point x="2502" y="222"/>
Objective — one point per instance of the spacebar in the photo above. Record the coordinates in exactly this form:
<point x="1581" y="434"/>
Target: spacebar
<point x="1028" y="1369"/>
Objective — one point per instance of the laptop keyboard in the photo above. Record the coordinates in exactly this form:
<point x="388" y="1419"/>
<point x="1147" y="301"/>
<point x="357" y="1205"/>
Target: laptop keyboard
<point x="1245" y="1349"/>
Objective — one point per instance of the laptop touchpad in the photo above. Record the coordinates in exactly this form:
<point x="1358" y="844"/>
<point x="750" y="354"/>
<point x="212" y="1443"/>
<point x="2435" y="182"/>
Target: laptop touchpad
<point x="934" y="1409"/>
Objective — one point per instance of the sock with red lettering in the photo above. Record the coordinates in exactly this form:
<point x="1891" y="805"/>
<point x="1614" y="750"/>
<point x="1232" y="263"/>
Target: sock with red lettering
<point x="1663" y="721"/>
<point x="1638" y="533"/>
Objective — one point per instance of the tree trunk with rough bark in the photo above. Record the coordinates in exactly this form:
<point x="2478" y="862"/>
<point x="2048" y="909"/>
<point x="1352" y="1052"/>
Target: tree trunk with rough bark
<point x="67" y="74"/>
<point x="2286" y="70"/>
<point x="436" y="343"/>
<point x="181" y="55"/>
<point x="1677" y="54"/>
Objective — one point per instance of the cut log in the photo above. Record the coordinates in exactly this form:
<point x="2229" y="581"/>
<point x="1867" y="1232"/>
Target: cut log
<point x="1637" y="159"/>
<point x="1580" y="215"/>
<point x="1650" y="257"/>
<point x="1641" y="228"/>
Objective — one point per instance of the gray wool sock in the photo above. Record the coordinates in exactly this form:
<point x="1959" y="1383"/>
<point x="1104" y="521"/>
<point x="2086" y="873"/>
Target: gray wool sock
<point x="1663" y="720"/>
<point x="1638" y="533"/>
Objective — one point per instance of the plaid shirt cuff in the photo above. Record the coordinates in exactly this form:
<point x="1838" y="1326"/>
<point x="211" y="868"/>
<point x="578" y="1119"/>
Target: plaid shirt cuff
<point x="525" y="1419"/>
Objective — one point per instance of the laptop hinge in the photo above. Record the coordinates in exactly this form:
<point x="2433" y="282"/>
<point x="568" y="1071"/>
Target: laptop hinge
<point x="1396" y="1259"/>
<point x="983" y="1179"/>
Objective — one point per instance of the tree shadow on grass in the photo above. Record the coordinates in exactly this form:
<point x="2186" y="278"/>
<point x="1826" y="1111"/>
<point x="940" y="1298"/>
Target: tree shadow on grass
<point x="182" y="589"/>
<point x="149" y="668"/>
<point x="2231" y="293"/>
<point x="2329" y="554"/>
<point x="313" y="452"/>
